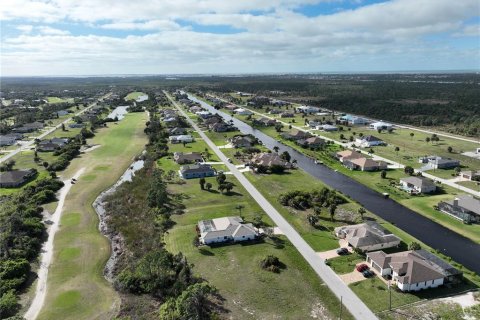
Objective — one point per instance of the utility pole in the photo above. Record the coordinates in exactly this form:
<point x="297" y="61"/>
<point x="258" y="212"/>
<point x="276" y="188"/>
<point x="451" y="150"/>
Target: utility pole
<point x="341" y="306"/>
<point x="390" y="295"/>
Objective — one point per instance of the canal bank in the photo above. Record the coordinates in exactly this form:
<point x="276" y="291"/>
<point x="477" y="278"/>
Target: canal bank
<point x="444" y="240"/>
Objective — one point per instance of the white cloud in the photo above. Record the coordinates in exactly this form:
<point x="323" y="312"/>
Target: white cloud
<point x="52" y="31"/>
<point x="24" y="28"/>
<point x="147" y="25"/>
<point x="472" y="30"/>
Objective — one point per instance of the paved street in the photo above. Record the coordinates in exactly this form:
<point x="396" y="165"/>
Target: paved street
<point x="356" y="307"/>
<point x="44" y="134"/>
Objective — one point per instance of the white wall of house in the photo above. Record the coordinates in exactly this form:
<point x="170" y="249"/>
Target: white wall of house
<point x="244" y="238"/>
<point x="421" y="285"/>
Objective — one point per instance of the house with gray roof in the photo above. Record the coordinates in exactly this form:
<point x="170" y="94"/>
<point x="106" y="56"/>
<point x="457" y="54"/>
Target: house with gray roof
<point x="436" y="162"/>
<point x="415" y="185"/>
<point x="368" y="236"/>
<point x="51" y="144"/>
<point x="227" y="229"/>
<point x="463" y="207"/>
<point x="414" y="270"/>
<point x="16" y="178"/>
<point x="186" y="158"/>
<point x="193" y="171"/>
<point x="10" y="139"/>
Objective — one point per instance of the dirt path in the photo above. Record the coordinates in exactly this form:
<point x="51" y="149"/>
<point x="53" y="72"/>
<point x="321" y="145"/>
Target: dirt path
<point x="47" y="252"/>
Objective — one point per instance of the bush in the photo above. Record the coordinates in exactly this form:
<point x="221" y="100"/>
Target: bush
<point x="271" y="263"/>
<point x="8" y="304"/>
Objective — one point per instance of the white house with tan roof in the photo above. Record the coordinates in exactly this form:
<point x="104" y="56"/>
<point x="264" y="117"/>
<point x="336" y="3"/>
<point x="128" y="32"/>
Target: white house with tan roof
<point x="225" y="229"/>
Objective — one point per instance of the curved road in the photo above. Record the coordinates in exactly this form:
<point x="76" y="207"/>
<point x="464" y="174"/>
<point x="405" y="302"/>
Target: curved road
<point x="444" y="240"/>
<point x="356" y="307"/>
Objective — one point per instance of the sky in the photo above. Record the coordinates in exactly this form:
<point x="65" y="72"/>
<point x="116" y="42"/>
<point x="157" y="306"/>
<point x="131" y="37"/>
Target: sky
<point x="102" y="37"/>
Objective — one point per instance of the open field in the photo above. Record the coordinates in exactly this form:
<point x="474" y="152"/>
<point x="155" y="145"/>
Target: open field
<point x="76" y="286"/>
<point x="297" y="291"/>
<point x="134" y="95"/>
<point x="53" y="100"/>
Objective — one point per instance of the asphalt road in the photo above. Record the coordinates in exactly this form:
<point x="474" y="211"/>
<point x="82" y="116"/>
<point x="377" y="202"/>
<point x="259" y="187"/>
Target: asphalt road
<point x="356" y="307"/>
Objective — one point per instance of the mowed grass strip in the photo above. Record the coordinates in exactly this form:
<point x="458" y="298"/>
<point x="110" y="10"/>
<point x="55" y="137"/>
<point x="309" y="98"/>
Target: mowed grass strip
<point x="76" y="286"/>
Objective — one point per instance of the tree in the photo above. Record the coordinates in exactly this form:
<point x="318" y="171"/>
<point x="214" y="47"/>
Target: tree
<point x="63" y="126"/>
<point x="258" y="220"/>
<point x="312" y="219"/>
<point x="332" y="210"/>
<point x="278" y="127"/>
<point x="450" y="149"/>
<point x="411" y="135"/>
<point x="202" y="183"/>
<point x="458" y="170"/>
<point x="286" y="156"/>
<point x="383" y="174"/>
<point x="414" y="246"/>
<point x="228" y="186"/>
<point x="276" y="148"/>
<point x="397" y="149"/>
<point x="157" y="194"/>
<point x="409" y="170"/>
<point x="427" y="139"/>
<point x="221" y="178"/>
<point x="8" y="304"/>
<point x="239" y="208"/>
<point x="361" y="211"/>
<point x="221" y="187"/>
<point x="209" y="186"/>
<point x="45" y="164"/>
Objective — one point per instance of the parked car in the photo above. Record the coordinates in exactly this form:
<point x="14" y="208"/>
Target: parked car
<point x="368" y="273"/>
<point x="362" y="267"/>
<point x="342" y="251"/>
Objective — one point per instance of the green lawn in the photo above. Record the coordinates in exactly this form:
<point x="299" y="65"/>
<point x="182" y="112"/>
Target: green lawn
<point x="76" y="286"/>
<point x="54" y="100"/>
<point x="134" y="95"/>
<point x="346" y="263"/>
<point x="470" y="184"/>
<point x="297" y="289"/>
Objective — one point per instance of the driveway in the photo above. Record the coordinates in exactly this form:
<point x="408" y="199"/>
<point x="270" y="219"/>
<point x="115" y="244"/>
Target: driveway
<point x="356" y="307"/>
<point x="352" y="277"/>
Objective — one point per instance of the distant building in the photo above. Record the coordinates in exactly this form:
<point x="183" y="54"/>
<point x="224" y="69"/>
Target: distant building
<point x="381" y="125"/>
<point x="287" y="115"/>
<point x="270" y="159"/>
<point x="296" y="135"/>
<point x="368" y="236"/>
<point x="365" y="164"/>
<point x="312" y="142"/>
<point x="470" y="175"/>
<point x="197" y="171"/>
<point x="369" y="141"/>
<point x="187" y="158"/>
<point x="307" y="109"/>
<point x="416" y="185"/>
<point x="52" y="144"/>
<point x="16" y="178"/>
<point x="10" y="139"/>
<point x="463" y="207"/>
<point x="327" y="127"/>
<point x="243" y="112"/>
<point x="436" y="162"/>
<point x="266" y="122"/>
<point x="242" y="141"/>
<point x="176" y="131"/>
<point x="414" y="270"/>
<point x="345" y="155"/>
<point x="29" y="127"/>
<point x="181" y="139"/>
<point x="228" y="229"/>
<point x="353" y="120"/>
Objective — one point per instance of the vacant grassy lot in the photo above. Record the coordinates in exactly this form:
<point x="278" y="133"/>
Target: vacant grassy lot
<point x="297" y="292"/>
<point x="54" y="100"/>
<point x="76" y="286"/>
<point x="134" y="95"/>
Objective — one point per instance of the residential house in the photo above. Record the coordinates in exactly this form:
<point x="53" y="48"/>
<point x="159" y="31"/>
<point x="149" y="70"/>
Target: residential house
<point x="436" y="162"/>
<point x="463" y="207"/>
<point x="314" y="124"/>
<point x="10" y="139"/>
<point x="327" y="127"/>
<point x="221" y="127"/>
<point x="345" y="155"/>
<point x="365" y="164"/>
<point x="416" y="185"/>
<point x="62" y="113"/>
<point x="368" y="236"/>
<point x="414" y="270"/>
<point x="312" y="142"/>
<point x="76" y="125"/>
<point x="203" y="114"/>
<point x="287" y="115"/>
<point x="353" y="120"/>
<point x="197" y="171"/>
<point x="243" y="112"/>
<point x="307" y="109"/>
<point x="16" y="178"/>
<point x="270" y="159"/>
<point x="187" y="158"/>
<point x="29" y="127"/>
<point x="266" y="122"/>
<point x="51" y="144"/>
<point x="242" y="141"/>
<point x="227" y="229"/>
<point x="369" y="141"/>
<point x="195" y="109"/>
<point x="181" y="138"/>
<point x="380" y="125"/>
<point x="296" y="135"/>
<point x="470" y="175"/>
<point x="212" y="120"/>
<point x="275" y="111"/>
<point x="177" y="131"/>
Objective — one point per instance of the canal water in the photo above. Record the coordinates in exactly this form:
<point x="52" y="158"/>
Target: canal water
<point x="448" y="242"/>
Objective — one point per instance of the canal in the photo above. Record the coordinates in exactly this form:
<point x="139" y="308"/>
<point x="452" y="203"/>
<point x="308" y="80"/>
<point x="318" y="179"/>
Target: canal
<point x="446" y="241"/>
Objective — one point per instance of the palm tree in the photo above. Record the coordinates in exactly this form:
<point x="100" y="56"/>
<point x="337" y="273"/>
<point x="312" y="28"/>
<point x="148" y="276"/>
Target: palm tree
<point x="361" y="211"/>
<point x="276" y="148"/>
<point x="239" y="208"/>
<point x="396" y="150"/>
<point x="332" y="210"/>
